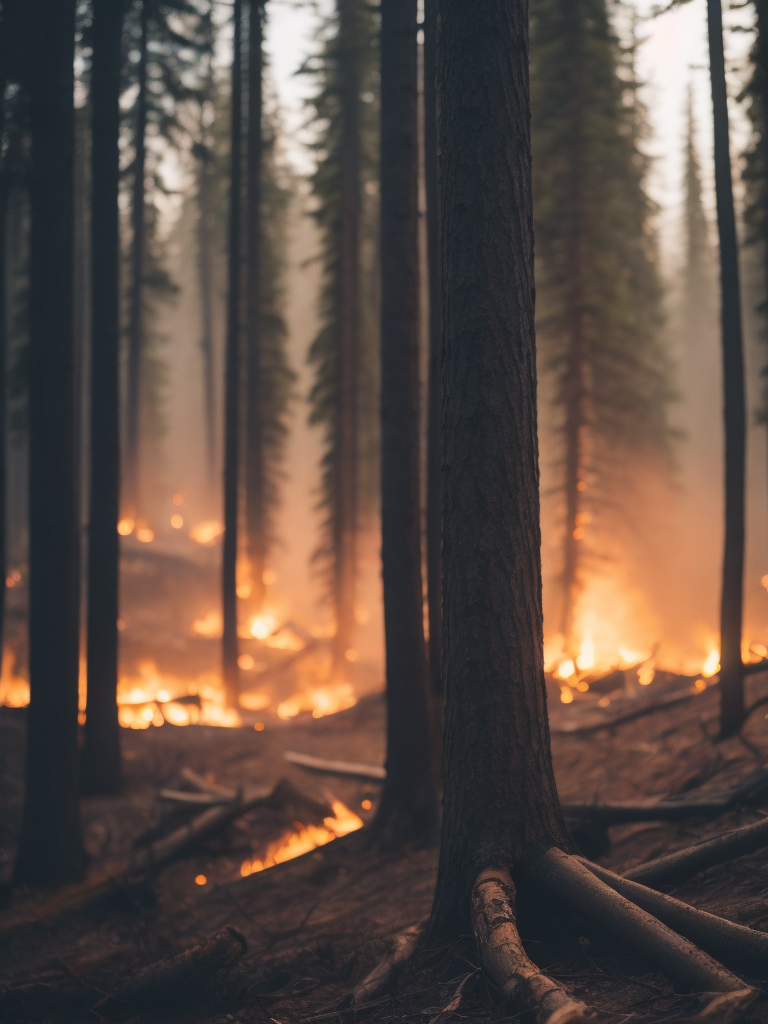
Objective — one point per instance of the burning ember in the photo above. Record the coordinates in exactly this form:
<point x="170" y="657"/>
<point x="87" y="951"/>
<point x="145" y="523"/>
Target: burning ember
<point x="207" y="532"/>
<point x="306" y="838"/>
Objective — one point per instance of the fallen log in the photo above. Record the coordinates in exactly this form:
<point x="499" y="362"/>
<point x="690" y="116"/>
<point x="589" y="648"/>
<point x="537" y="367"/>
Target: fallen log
<point x="185" y="798"/>
<point x="202" y="785"/>
<point x="671" y="808"/>
<point x="673" y="867"/>
<point x="744" y="949"/>
<point x="348" y="768"/>
<point x="143" y="861"/>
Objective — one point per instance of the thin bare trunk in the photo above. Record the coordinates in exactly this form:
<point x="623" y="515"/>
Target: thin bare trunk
<point x="205" y="277"/>
<point x="732" y="594"/>
<point x="135" y="314"/>
<point x="347" y="360"/>
<point x="231" y="672"/>
<point x="100" y="765"/>
<point x="255" y="469"/>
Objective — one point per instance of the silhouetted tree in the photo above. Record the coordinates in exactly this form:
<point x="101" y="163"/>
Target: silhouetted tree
<point x="230" y="669"/>
<point x="344" y="393"/>
<point x="100" y="769"/>
<point x="732" y="594"/>
<point x="268" y="374"/>
<point x="50" y="846"/>
<point x="434" y="469"/>
<point x="408" y="805"/>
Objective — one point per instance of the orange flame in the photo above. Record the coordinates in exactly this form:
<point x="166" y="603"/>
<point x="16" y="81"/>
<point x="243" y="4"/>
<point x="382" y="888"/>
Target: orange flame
<point x="306" y="838"/>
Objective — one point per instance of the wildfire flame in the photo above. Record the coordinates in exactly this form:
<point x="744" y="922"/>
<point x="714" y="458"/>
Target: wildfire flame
<point x="320" y="700"/>
<point x="207" y="532"/>
<point x="305" y="838"/>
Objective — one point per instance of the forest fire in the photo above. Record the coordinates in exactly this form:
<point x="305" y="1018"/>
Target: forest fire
<point x="305" y="838"/>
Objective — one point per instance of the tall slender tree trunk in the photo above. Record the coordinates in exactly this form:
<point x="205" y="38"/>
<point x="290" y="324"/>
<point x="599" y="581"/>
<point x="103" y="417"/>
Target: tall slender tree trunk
<point x="205" y="279"/>
<point x="434" y="469"/>
<point x="136" y="311"/>
<point x="409" y="799"/>
<point x="499" y="789"/>
<point x="4" y="190"/>
<point x="255" y="470"/>
<point x="348" y="355"/>
<point x="50" y="847"/>
<point x="732" y="594"/>
<point x="230" y="670"/>
<point x="574" y="384"/>
<point x="100" y="766"/>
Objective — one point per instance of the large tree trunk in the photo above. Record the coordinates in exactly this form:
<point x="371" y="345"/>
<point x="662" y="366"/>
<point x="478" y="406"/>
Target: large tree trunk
<point x="135" y="314"/>
<point x="255" y="470"/>
<point x="409" y="801"/>
<point x="434" y="468"/>
<point x="50" y="847"/>
<point x="499" y="789"/>
<point x="231" y="673"/>
<point x="732" y="594"/>
<point x="348" y="354"/>
<point x="100" y="768"/>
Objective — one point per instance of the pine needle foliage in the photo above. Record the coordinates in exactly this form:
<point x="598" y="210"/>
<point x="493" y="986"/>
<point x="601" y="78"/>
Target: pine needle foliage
<point x="349" y="56"/>
<point x="598" y="290"/>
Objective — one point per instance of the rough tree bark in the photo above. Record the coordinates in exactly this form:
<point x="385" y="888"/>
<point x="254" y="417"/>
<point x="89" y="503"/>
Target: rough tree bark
<point x="230" y="670"/>
<point x="135" y="313"/>
<point x="4" y="187"/>
<point x="409" y="802"/>
<point x="732" y="594"/>
<point x="434" y="469"/>
<point x="348" y="355"/>
<point x="255" y="505"/>
<point x="502" y="821"/>
<point x="100" y="764"/>
<point x="50" y="846"/>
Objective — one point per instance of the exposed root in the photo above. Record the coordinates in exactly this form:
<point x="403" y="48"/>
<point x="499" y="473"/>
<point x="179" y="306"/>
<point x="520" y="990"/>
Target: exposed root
<point x="744" y="949"/>
<point x="403" y="944"/>
<point x="569" y="882"/>
<point x="684" y="863"/>
<point x="505" y="960"/>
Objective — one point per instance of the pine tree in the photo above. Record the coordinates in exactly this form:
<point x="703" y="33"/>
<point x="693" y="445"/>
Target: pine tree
<point x="170" y="37"/>
<point x="599" y="295"/>
<point x="343" y="397"/>
<point x="50" y="847"/>
<point x="232" y="425"/>
<point x="100" y="766"/>
<point x="268" y="374"/>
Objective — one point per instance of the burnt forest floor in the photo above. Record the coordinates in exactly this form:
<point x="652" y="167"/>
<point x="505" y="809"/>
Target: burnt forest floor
<point x="316" y="925"/>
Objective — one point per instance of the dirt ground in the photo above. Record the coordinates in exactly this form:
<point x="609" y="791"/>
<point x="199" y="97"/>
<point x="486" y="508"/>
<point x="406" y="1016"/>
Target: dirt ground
<point x="315" y="925"/>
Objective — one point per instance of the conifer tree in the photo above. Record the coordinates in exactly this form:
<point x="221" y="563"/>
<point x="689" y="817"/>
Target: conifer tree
<point x="50" y="847"/>
<point x="100" y="766"/>
<point x="268" y="374"/>
<point x="230" y="669"/>
<point x="343" y="397"/>
<point x="169" y="37"/>
<point x="599" y="294"/>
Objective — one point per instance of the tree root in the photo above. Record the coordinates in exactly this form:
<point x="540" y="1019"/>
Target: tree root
<point x="735" y="945"/>
<point x="573" y="885"/>
<point x="675" y="866"/>
<point x="403" y="944"/>
<point x="505" y="960"/>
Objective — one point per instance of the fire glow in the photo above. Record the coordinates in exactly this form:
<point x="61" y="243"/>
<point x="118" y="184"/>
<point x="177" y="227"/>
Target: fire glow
<point x="305" y="839"/>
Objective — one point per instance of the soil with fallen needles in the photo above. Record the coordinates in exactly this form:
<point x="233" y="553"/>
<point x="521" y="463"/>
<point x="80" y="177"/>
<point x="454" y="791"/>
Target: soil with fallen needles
<point x="317" y="924"/>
